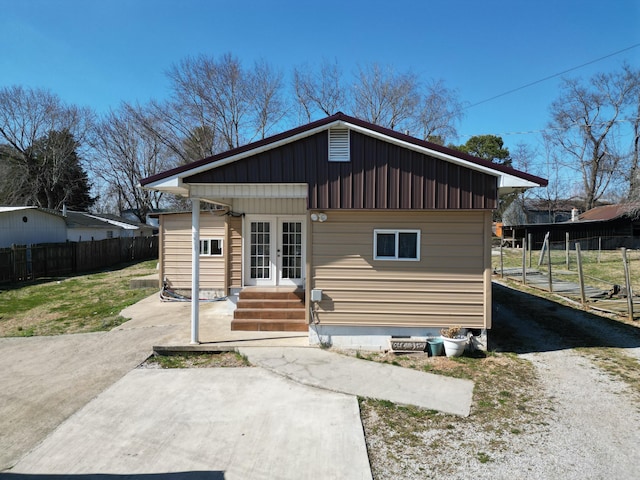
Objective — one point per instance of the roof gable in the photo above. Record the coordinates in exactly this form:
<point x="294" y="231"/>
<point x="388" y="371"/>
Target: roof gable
<point x="177" y="180"/>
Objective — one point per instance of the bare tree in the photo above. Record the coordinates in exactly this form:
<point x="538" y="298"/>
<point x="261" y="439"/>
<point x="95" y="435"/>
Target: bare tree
<point x="320" y="92"/>
<point x="239" y="105"/>
<point x="634" y="168"/>
<point x="384" y="97"/>
<point x="182" y="129"/>
<point x="125" y="152"/>
<point x="585" y="127"/>
<point x="42" y="138"/>
<point x="438" y="112"/>
<point x="266" y="103"/>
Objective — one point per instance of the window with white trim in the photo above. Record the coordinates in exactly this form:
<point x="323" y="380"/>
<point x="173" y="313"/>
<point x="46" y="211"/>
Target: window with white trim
<point x="396" y="244"/>
<point x="211" y="247"/>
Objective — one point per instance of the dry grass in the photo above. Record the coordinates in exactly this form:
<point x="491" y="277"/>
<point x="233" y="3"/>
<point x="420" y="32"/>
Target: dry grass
<point x="506" y="404"/>
<point x="83" y="303"/>
<point x="197" y="360"/>
<point x="601" y="269"/>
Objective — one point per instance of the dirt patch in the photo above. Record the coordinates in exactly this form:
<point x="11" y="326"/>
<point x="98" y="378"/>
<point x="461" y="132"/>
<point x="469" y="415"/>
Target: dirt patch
<point x="197" y="360"/>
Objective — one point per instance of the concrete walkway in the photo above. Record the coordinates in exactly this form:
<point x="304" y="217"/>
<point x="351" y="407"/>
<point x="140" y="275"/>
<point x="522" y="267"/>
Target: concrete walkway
<point x="340" y="373"/>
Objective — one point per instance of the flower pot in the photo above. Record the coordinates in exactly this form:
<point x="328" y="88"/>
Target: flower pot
<point x="436" y="347"/>
<point x="454" y="347"/>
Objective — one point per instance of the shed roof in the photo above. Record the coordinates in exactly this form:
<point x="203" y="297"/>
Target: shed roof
<point x="611" y="212"/>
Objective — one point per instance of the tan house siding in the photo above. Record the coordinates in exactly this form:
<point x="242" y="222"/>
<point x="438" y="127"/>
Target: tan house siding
<point x="446" y="286"/>
<point x="176" y="251"/>
<point x="234" y="252"/>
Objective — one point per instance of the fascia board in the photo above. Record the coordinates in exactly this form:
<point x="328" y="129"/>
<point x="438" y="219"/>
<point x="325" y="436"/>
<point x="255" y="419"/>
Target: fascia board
<point x="512" y="181"/>
<point x="172" y="184"/>
<point x="177" y="180"/>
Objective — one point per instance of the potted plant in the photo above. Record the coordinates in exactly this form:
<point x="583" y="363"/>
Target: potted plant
<point x="454" y="342"/>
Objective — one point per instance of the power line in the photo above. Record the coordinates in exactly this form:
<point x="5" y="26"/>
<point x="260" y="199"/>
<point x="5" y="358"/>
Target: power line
<point x="551" y="76"/>
<point x="547" y="129"/>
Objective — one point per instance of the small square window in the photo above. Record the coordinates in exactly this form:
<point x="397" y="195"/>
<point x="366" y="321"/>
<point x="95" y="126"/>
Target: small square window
<point x="396" y="245"/>
<point x="211" y="247"/>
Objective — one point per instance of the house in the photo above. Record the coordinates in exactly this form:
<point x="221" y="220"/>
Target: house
<point x="349" y="231"/>
<point x="30" y="225"/>
<point x="605" y="227"/>
<point x="537" y="210"/>
<point x="83" y="227"/>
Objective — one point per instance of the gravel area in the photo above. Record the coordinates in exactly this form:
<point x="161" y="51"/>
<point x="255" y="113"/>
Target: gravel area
<point x="572" y="421"/>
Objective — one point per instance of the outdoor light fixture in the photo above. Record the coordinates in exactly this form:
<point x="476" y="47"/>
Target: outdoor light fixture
<point x="318" y="217"/>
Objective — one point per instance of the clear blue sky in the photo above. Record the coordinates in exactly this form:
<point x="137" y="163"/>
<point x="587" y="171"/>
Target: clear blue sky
<point x="101" y="52"/>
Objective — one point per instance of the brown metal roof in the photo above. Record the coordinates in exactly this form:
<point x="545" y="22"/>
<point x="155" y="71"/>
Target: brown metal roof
<point x="352" y="120"/>
<point x="610" y="212"/>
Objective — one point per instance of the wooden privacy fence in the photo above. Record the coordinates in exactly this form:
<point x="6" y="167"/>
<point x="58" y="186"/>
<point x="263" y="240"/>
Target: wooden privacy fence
<point x="29" y="262"/>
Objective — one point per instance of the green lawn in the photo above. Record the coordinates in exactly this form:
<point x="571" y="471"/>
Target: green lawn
<point x="85" y="303"/>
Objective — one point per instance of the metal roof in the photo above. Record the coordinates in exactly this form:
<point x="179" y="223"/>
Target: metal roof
<point x="172" y="180"/>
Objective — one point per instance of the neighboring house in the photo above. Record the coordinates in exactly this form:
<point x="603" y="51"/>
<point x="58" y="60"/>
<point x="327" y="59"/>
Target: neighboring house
<point x="607" y="227"/>
<point x="30" y="225"/>
<point x="529" y="211"/>
<point x="83" y="227"/>
<point x="377" y="233"/>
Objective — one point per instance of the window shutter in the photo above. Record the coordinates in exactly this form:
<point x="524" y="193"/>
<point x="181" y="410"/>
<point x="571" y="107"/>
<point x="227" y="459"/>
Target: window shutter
<point x="339" y="145"/>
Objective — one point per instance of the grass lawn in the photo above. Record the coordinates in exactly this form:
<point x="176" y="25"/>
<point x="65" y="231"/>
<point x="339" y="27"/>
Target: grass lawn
<point x="83" y="303"/>
<point x="600" y="269"/>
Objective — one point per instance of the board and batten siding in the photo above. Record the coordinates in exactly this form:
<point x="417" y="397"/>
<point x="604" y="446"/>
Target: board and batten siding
<point x="175" y="251"/>
<point x="447" y="286"/>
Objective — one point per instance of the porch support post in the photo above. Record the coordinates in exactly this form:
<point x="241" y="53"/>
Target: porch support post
<point x="195" y="271"/>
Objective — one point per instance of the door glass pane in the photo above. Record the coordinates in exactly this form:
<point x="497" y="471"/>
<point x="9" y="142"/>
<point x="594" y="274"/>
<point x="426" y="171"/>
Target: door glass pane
<point x="291" y="250"/>
<point x="260" y="259"/>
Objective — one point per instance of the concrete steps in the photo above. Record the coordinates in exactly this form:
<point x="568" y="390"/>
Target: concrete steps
<point x="270" y="309"/>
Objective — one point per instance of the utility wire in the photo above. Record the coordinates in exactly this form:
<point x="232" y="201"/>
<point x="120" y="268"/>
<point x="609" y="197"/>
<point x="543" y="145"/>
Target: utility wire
<point x="550" y="77"/>
<point x="575" y="125"/>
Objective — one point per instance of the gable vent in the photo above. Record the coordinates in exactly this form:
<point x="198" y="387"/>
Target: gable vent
<point x="339" y="145"/>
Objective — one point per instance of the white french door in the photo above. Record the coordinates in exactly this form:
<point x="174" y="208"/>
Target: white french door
<point x="274" y="250"/>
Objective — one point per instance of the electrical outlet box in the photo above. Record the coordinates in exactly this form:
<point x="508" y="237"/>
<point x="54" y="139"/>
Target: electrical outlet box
<point x="316" y="295"/>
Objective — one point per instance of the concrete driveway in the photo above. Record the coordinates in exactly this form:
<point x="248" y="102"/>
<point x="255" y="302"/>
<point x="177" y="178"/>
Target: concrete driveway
<point x="76" y="404"/>
<point x="232" y="423"/>
<point x="46" y="379"/>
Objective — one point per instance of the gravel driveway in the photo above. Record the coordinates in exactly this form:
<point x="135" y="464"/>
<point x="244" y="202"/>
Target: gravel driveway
<point x="577" y="421"/>
<point x="593" y="427"/>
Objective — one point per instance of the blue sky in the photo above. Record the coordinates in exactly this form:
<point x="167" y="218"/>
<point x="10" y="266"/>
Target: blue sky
<point x="101" y="52"/>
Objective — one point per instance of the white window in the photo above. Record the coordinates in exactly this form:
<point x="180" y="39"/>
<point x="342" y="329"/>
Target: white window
<point x="211" y="247"/>
<point x="109" y="233"/>
<point x="396" y="245"/>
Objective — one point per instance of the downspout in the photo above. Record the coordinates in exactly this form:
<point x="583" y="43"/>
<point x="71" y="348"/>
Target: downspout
<point x="195" y="271"/>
